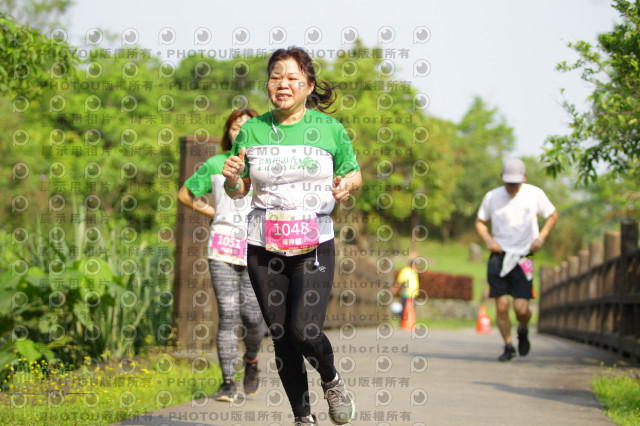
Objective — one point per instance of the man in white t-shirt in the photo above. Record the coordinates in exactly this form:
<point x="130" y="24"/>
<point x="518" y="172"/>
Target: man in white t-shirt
<point x="513" y="210"/>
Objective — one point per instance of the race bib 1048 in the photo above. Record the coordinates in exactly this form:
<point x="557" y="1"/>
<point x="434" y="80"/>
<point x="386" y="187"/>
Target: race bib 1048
<point x="291" y="232"/>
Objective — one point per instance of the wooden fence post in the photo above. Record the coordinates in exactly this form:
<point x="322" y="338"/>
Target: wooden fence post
<point x="547" y="302"/>
<point x="564" y="278"/>
<point x="573" y="290"/>
<point x="596" y="249"/>
<point x="574" y="270"/>
<point x="583" y="270"/>
<point x="546" y="283"/>
<point x="611" y="251"/>
<point x="629" y="313"/>
<point x="583" y="256"/>
<point x="557" y="279"/>
<point x="628" y="236"/>
<point x="195" y="311"/>
<point x="611" y="244"/>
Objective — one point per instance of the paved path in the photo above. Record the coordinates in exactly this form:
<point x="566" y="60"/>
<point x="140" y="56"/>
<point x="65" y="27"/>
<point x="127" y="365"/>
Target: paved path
<point x="428" y="378"/>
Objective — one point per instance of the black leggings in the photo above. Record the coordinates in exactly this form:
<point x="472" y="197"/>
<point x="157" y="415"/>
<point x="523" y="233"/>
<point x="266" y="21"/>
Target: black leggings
<point x="293" y="295"/>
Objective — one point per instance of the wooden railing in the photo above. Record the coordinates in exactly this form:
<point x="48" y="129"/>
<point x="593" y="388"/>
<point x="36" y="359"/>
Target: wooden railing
<point x="596" y="300"/>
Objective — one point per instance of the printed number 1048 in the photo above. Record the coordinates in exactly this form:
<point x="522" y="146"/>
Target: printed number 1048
<point x="298" y="228"/>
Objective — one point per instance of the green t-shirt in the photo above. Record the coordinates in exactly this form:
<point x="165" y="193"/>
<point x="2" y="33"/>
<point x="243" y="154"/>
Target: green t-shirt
<point x="292" y="166"/>
<point x="231" y="215"/>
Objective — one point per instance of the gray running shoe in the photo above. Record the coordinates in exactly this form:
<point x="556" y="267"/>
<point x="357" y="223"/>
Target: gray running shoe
<point x="341" y="406"/>
<point x="227" y="391"/>
<point x="306" y="420"/>
<point x="251" y="378"/>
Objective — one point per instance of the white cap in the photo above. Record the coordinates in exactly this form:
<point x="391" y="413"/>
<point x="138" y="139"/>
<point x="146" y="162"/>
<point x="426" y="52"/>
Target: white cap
<point x="513" y="171"/>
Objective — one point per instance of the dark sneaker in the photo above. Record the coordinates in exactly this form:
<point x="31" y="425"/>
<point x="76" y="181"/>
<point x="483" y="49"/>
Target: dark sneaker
<point x="508" y="354"/>
<point x="251" y="378"/>
<point x="227" y="391"/>
<point x="341" y="405"/>
<point x="523" y="341"/>
<point x="307" y="420"/>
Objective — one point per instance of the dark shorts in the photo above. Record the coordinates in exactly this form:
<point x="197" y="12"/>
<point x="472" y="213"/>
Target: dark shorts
<point x="515" y="283"/>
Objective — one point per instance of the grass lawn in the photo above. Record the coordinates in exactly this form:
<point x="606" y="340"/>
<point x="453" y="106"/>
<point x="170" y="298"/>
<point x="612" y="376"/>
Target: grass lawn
<point x="35" y="393"/>
<point x="619" y="394"/>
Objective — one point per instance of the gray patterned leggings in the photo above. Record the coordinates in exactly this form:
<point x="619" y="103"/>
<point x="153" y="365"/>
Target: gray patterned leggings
<point x="236" y="300"/>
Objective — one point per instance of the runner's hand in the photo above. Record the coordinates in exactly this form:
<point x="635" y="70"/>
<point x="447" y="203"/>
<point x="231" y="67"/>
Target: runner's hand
<point x="233" y="168"/>
<point x="340" y="192"/>
<point x="494" y="247"/>
<point x="536" y="245"/>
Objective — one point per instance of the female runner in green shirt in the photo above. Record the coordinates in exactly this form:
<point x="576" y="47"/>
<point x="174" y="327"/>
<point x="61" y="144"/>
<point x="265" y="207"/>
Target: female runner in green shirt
<point x="299" y="162"/>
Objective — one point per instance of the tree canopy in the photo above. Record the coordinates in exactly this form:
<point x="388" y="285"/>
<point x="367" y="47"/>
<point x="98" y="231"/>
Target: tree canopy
<point x="45" y="15"/>
<point x="608" y="133"/>
<point x="483" y="138"/>
<point x="29" y="60"/>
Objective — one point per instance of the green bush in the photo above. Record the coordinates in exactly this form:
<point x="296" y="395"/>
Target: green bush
<point x="108" y="292"/>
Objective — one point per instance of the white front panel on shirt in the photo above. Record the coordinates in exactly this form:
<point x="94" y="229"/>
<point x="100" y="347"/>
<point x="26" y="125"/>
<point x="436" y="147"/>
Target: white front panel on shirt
<point x="291" y="177"/>
<point x="230" y="218"/>
<point x="229" y="212"/>
<point x="515" y="224"/>
<point x="514" y="220"/>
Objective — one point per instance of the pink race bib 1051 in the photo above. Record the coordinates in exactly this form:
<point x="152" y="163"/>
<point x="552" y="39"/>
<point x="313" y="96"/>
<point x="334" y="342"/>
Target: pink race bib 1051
<point x="228" y="248"/>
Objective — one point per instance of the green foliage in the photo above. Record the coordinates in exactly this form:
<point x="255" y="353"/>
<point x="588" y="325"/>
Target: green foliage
<point x="111" y="134"/>
<point x="609" y="132"/>
<point x="586" y="211"/>
<point x="404" y="154"/>
<point x="60" y="301"/>
<point x="619" y="394"/>
<point x="110" y="131"/>
<point x="30" y="60"/>
<point x="44" y="15"/>
<point x="482" y="141"/>
<point x="578" y="223"/>
<point x="228" y="84"/>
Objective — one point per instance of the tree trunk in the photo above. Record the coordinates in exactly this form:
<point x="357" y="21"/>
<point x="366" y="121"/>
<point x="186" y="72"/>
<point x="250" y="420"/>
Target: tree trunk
<point x="445" y="228"/>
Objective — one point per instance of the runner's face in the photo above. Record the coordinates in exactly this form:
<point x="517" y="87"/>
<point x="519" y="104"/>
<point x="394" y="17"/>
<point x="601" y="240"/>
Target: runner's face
<point x="234" y="129"/>
<point x="288" y="86"/>
<point x="512" y="188"/>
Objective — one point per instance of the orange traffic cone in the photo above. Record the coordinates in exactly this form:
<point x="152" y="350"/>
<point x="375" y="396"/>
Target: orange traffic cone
<point x="408" y="316"/>
<point x="483" y="325"/>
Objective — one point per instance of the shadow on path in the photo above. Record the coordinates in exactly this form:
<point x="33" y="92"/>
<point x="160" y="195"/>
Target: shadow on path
<point x="545" y="350"/>
<point x="534" y="360"/>
<point x="160" y="420"/>
<point x="445" y="377"/>
<point x="579" y="397"/>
